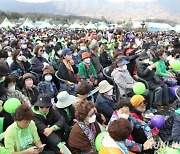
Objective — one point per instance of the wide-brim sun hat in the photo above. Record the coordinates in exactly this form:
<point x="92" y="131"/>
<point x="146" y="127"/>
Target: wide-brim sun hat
<point x="64" y="99"/>
<point x="104" y="86"/>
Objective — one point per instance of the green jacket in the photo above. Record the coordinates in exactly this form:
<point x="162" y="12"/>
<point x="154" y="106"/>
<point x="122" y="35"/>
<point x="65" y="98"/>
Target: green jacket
<point x="83" y="71"/>
<point x="161" y="69"/>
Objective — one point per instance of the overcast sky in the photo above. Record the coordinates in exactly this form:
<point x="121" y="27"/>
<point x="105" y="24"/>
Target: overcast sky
<point x="115" y="1"/>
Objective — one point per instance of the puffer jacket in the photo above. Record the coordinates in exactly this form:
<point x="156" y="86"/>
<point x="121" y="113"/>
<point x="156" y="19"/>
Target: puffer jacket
<point x="123" y="79"/>
<point x="43" y="121"/>
<point x="105" y="106"/>
<point x="170" y="129"/>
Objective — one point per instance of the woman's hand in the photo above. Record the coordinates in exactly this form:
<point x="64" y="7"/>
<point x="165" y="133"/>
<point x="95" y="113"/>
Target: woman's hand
<point x="61" y="151"/>
<point x="24" y="58"/>
<point x="48" y="131"/>
<point x="33" y="150"/>
<point x="149" y="143"/>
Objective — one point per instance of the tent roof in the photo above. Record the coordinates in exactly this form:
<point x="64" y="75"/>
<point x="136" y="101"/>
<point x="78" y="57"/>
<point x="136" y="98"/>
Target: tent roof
<point x="6" y="23"/>
<point x="27" y="23"/>
<point x="46" y="24"/>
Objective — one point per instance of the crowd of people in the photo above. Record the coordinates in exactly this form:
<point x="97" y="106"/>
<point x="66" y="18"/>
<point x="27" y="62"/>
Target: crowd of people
<point x="73" y="85"/>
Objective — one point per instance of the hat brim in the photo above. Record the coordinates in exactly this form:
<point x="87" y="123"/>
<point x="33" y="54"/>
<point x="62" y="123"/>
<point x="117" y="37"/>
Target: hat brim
<point x="66" y="103"/>
<point x="43" y="104"/>
<point x="123" y="62"/>
<point x="106" y="89"/>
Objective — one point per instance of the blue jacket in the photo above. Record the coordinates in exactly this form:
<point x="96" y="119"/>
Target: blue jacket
<point x="105" y="106"/>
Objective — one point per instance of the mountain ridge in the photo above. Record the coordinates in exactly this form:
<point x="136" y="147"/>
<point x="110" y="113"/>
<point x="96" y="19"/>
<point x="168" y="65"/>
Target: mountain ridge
<point x="160" y="9"/>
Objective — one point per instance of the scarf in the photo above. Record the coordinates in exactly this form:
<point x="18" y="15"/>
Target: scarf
<point x="89" y="132"/>
<point x="122" y="147"/>
<point x="68" y="65"/>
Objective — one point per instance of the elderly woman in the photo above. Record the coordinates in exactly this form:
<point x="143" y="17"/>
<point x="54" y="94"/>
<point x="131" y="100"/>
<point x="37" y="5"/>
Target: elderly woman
<point x="141" y="133"/>
<point x="122" y="77"/>
<point x="67" y="72"/>
<point x="38" y="62"/>
<point x="162" y="71"/>
<point x="83" y="91"/>
<point x="29" y="89"/>
<point x="21" y="136"/>
<point x="119" y="130"/>
<point x="86" y="70"/>
<point x="20" y="65"/>
<point x="105" y="103"/>
<point x="50" y="124"/>
<point x="10" y="85"/>
<point x="84" y="132"/>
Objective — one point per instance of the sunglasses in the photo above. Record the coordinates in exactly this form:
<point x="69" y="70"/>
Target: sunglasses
<point x="41" y="50"/>
<point x="20" y="54"/>
<point x="44" y="107"/>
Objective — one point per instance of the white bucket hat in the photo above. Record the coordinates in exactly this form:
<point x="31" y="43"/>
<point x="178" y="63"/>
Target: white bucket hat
<point x="104" y="86"/>
<point x="64" y="99"/>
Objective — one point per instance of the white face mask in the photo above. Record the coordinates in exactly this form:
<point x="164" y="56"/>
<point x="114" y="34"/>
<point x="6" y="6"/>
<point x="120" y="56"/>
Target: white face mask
<point x="6" y="42"/>
<point x="2" y="79"/>
<point x="75" y="54"/>
<point x="68" y="57"/>
<point x="124" y="67"/>
<point x="92" y="119"/>
<point x="19" y="58"/>
<point x="83" y="48"/>
<point x="9" y="54"/>
<point x="51" y="43"/>
<point x="48" y="77"/>
<point x="87" y="60"/>
<point x="59" y="52"/>
<point x="146" y="61"/>
<point x="125" y="116"/>
<point x="11" y="88"/>
<point x="110" y="92"/>
<point x="24" y="46"/>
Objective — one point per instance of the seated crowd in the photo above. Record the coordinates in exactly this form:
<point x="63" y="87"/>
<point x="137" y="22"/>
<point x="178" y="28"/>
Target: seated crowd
<point x="64" y="88"/>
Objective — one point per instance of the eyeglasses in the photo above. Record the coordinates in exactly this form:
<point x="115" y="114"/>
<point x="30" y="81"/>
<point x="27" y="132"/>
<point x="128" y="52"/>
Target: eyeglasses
<point x="44" y="107"/>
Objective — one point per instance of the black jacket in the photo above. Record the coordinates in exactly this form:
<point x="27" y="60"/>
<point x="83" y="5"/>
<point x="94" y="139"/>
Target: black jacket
<point x="170" y="129"/>
<point x="149" y="75"/>
<point x="68" y="120"/>
<point x="105" y="106"/>
<point x="31" y="93"/>
<point x="63" y="73"/>
<point x="105" y="59"/>
<point x="17" y="70"/>
<point x="52" y="118"/>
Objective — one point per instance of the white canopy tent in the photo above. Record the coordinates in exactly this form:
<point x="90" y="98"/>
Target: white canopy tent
<point x="103" y="26"/>
<point x="76" y="25"/>
<point x="6" y="23"/>
<point x="46" y="24"/>
<point x="65" y="26"/>
<point x="90" y="25"/>
<point x="27" y="23"/>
